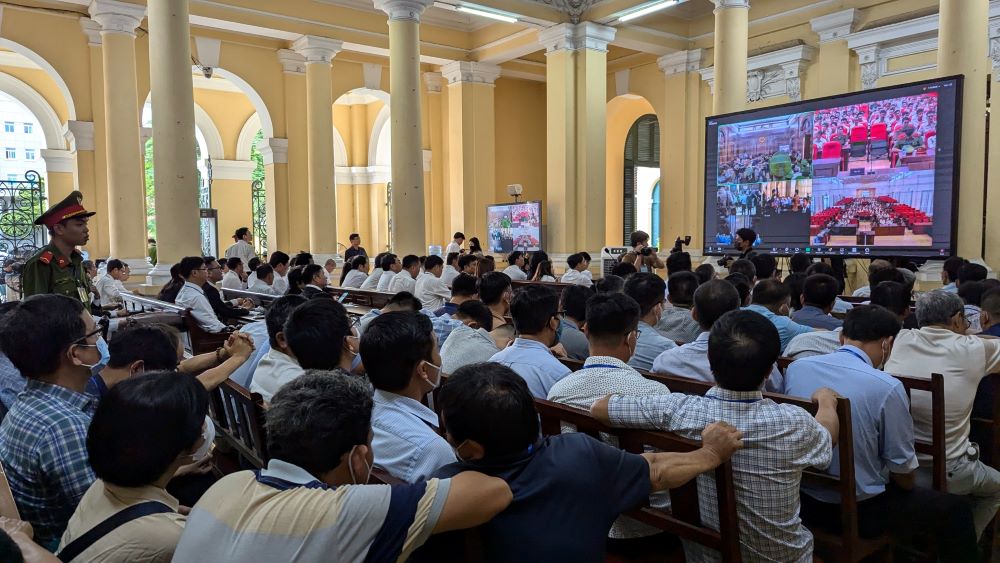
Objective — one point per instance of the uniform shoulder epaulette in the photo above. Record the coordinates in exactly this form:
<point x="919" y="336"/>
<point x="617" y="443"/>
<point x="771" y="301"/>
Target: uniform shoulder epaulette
<point x="46" y="257"/>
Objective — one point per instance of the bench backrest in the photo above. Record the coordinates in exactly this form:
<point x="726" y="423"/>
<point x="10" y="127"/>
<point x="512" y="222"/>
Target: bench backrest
<point x="936" y="447"/>
<point x="374" y="299"/>
<point x="238" y="415"/>
<point x="264" y="299"/>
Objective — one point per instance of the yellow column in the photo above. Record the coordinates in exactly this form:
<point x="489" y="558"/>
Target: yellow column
<point x="962" y="42"/>
<point x="126" y="189"/>
<point x="80" y="135"/>
<point x="319" y="53"/>
<point x="471" y="119"/>
<point x="832" y="71"/>
<point x="992" y="250"/>
<point x="731" y="33"/>
<point x="680" y="165"/>
<point x="177" y="226"/>
<point x="92" y="167"/>
<point x="437" y="223"/>
<point x="576" y="101"/>
<point x="408" y="233"/>
<point x="291" y="180"/>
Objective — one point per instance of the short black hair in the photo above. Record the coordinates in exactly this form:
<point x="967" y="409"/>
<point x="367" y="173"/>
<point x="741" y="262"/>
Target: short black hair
<point x="647" y="289"/>
<point x="879" y="275"/>
<point x="302" y="259"/>
<point x="532" y="307"/>
<point x="799" y="263"/>
<point x="241" y="232"/>
<point x="189" y="264"/>
<point x="951" y="267"/>
<point x="114" y="264"/>
<point x="972" y="272"/>
<point x="611" y="284"/>
<point x="894" y="296"/>
<point x="764" y="264"/>
<point x="154" y="345"/>
<point x="317" y="418"/>
<point x="742" y="285"/>
<point x="492" y="286"/>
<point x="748" y="235"/>
<point x="574" y="301"/>
<point x="867" y="323"/>
<point x="713" y="299"/>
<point x="353" y="236"/>
<point x="824" y="268"/>
<point x="142" y="424"/>
<point x="574" y="260"/>
<point x="452" y="258"/>
<point x="820" y="290"/>
<point x="490" y="404"/>
<point x="405" y="299"/>
<point x="467" y="259"/>
<point x="611" y="316"/>
<point x="278" y="313"/>
<point x="623" y="269"/>
<point x="742" y="349"/>
<point x="796" y="282"/>
<point x="745" y="267"/>
<point x="459" y="234"/>
<point x="990" y="301"/>
<point x="678" y="262"/>
<point x="263" y="271"/>
<point x="393" y="344"/>
<point x="277" y="258"/>
<point x="639" y="237"/>
<point x="388" y="260"/>
<point x="771" y="292"/>
<point x="681" y="287"/>
<point x="409" y="260"/>
<point x="310" y="271"/>
<point x="36" y="332"/>
<point x="972" y="292"/>
<point x="477" y="311"/>
<point x="464" y="285"/>
<point x="315" y="331"/>
<point x="513" y="256"/>
<point x="705" y="273"/>
<point x="234" y="262"/>
<point x="432" y="262"/>
<point x="253" y="264"/>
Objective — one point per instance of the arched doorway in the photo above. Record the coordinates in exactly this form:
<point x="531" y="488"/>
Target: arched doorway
<point x="641" y="180"/>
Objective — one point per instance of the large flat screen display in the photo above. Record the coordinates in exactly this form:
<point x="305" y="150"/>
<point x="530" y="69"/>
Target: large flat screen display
<point x="865" y="174"/>
<point x="514" y="226"/>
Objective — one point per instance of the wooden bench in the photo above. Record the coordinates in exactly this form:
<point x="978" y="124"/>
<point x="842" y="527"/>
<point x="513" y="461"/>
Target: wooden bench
<point x="374" y="299"/>
<point x="238" y="416"/>
<point x="558" y="286"/>
<point x="262" y="299"/>
<point x="153" y="311"/>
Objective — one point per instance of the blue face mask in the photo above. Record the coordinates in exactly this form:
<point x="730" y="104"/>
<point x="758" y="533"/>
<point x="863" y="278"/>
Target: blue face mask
<point x="102" y="363"/>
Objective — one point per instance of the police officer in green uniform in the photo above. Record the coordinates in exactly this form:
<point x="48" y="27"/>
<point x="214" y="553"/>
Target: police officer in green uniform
<point x="58" y="266"/>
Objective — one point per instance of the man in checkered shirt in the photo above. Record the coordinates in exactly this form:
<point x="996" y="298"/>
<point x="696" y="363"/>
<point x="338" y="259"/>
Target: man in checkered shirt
<point x="780" y="441"/>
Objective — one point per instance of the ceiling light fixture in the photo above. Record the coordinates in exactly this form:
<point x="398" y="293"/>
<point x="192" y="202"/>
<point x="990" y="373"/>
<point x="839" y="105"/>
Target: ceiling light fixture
<point x="647" y="9"/>
<point x="487" y="14"/>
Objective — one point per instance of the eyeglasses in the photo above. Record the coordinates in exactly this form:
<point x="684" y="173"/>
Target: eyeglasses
<point x="102" y="325"/>
<point x="215" y="268"/>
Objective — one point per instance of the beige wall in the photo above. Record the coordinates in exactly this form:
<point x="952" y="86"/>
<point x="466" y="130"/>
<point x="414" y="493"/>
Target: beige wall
<point x="520" y="138"/>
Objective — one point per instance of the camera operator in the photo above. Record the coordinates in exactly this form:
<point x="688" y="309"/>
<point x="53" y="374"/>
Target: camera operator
<point x="642" y="256"/>
<point x="743" y="242"/>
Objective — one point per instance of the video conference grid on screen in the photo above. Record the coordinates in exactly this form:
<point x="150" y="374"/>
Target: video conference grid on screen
<point x="514" y="226"/>
<point x="866" y="174"/>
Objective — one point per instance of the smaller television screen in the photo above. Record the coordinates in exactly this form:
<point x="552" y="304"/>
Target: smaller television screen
<point x="514" y="226"/>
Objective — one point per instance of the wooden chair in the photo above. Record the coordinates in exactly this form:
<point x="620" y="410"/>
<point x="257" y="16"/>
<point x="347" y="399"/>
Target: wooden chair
<point x="8" y="507"/>
<point x="238" y="415"/>
<point x="202" y="341"/>
<point x="936" y="447"/>
<point x="684" y="518"/>
<point x="374" y="299"/>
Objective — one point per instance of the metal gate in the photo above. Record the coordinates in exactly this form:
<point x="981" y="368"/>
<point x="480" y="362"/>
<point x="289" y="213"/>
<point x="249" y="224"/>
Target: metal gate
<point x="21" y="202"/>
<point x="258" y="202"/>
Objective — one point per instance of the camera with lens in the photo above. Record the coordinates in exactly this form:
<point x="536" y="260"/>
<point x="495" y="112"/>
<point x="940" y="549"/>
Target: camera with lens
<point x="680" y="243"/>
<point x="645" y="251"/>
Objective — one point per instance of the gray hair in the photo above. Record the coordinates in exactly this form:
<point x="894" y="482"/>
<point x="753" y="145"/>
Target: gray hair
<point x="317" y="418"/>
<point x="937" y="308"/>
<point x="909" y="278"/>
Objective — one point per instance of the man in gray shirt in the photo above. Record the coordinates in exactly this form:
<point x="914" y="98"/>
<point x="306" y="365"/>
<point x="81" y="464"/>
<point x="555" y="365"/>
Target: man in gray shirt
<point x="676" y="323"/>
<point x="574" y="305"/>
<point x="470" y="343"/>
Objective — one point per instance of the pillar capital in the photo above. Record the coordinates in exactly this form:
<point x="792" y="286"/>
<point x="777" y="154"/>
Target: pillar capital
<point x="871" y="66"/>
<point x="457" y="72"/>
<point x="232" y="169"/>
<point x="79" y="135"/>
<point x="92" y="30"/>
<point x="291" y="62"/>
<point x="433" y="82"/>
<point x="723" y="4"/>
<point x="573" y="37"/>
<point x="117" y="17"/>
<point x="681" y="61"/>
<point x="59" y="160"/>
<point x="403" y="10"/>
<point x="317" y="49"/>
<point x="273" y="150"/>
<point x="835" y="26"/>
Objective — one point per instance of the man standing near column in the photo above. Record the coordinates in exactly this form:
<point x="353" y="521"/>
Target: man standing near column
<point x="58" y="266"/>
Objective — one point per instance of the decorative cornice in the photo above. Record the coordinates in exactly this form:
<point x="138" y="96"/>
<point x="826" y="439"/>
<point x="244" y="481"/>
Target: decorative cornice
<point x="868" y="58"/>
<point x="459" y="72"/>
<point x="117" y="17"/>
<point x="572" y="8"/>
<point x="92" y="30"/>
<point x="681" y="61"/>
<point x="58" y="160"/>
<point x="573" y="37"/>
<point x="772" y="74"/>
<point x="894" y="32"/>
<point x="291" y="62"/>
<point x="403" y="10"/>
<point x="79" y="135"/>
<point x="273" y="150"/>
<point x="835" y="26"/>
<point x="723" y="4"/>
<point x="433" y="81"/>
<point x="316" y="49"/>
<point x="232" y="169"/>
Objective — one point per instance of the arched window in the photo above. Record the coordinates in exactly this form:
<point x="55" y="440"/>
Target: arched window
<point x="641" y="181"/>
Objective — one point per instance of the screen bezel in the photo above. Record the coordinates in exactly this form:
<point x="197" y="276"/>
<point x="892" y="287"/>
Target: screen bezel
<point x="929" y="254"/>
<point x="541" y="225"/>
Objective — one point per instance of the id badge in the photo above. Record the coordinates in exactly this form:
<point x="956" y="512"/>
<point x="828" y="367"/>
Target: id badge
<point x="84" y="294"/>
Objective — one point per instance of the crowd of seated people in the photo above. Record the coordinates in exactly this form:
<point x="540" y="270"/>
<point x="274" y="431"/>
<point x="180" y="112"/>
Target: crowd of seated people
<point x="893" y="119"/>
<point x="747" y="168"/>
<point x="882" y="211"/>
<point x="439" y="392"/>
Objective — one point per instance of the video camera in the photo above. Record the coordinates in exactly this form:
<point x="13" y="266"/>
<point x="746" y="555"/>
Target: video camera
<point x="679" y="244"/>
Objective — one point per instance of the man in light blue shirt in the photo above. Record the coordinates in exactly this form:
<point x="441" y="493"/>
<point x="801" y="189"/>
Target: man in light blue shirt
<point x="772" y="299"/>
<point x="884" y="455"/>
<point x="647" y="290"/>
<point x="400" y="354"/>
<point x="819" y="292"/>
<point x="535" y="310"/>
<point x="574" y="307"/>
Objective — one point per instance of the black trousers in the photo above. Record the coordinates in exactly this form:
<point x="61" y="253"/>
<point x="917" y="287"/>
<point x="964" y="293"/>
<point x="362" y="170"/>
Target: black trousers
<point x="907" y="515"/>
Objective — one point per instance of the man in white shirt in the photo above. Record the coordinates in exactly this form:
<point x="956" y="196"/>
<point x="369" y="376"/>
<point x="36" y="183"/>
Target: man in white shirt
<point x="277" y="366"/>
<point x="331" y="266"/>
<point x="279" y="263"/>
<point x="516" y="268"/>
<point x="941" y="346"/>
<point x="371" y="282"/>
<point x="456" y="244"/>
<point x="877" y="273"/>
<point x="406" y="279"/>
<point x="192" y="296"/>
<point x="243" y="247"/>
<point x="234" y="278"/>
<point x="450" y="271"/>
<point x="358" y="272"/>
<point x="391" y="266"/>
<point x="470" y="343"/>
<point x="578" y="272"/>
<point x="109" y="286"/>
<point x="430" y="290"/>
<point x="264" y="281"/>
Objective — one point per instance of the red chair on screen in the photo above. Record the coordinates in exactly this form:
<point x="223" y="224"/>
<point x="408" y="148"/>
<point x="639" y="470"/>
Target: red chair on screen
<point x="859" y="141"/>
<point x="832" y="149"/>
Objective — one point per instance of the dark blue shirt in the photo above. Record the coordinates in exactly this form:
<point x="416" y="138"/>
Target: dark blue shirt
<point x="448" y="309"/>
<point x="568" y="490"/>
<point x="96" y="387"/>
<point x="992" y="331"/>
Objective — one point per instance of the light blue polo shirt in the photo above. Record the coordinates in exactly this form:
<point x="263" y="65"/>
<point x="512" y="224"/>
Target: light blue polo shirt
<point x="787" y="328"/>
<point x="648" y="346"/>
<point x="880" y="417"/>
<point x="534" y="362"/>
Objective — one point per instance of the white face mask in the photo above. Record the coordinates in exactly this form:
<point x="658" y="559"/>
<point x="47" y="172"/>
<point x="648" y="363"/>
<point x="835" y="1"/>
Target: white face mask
<point x="350" y="467"/>
<point x="436" y="370"/>
<point x="208" y="436"/>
